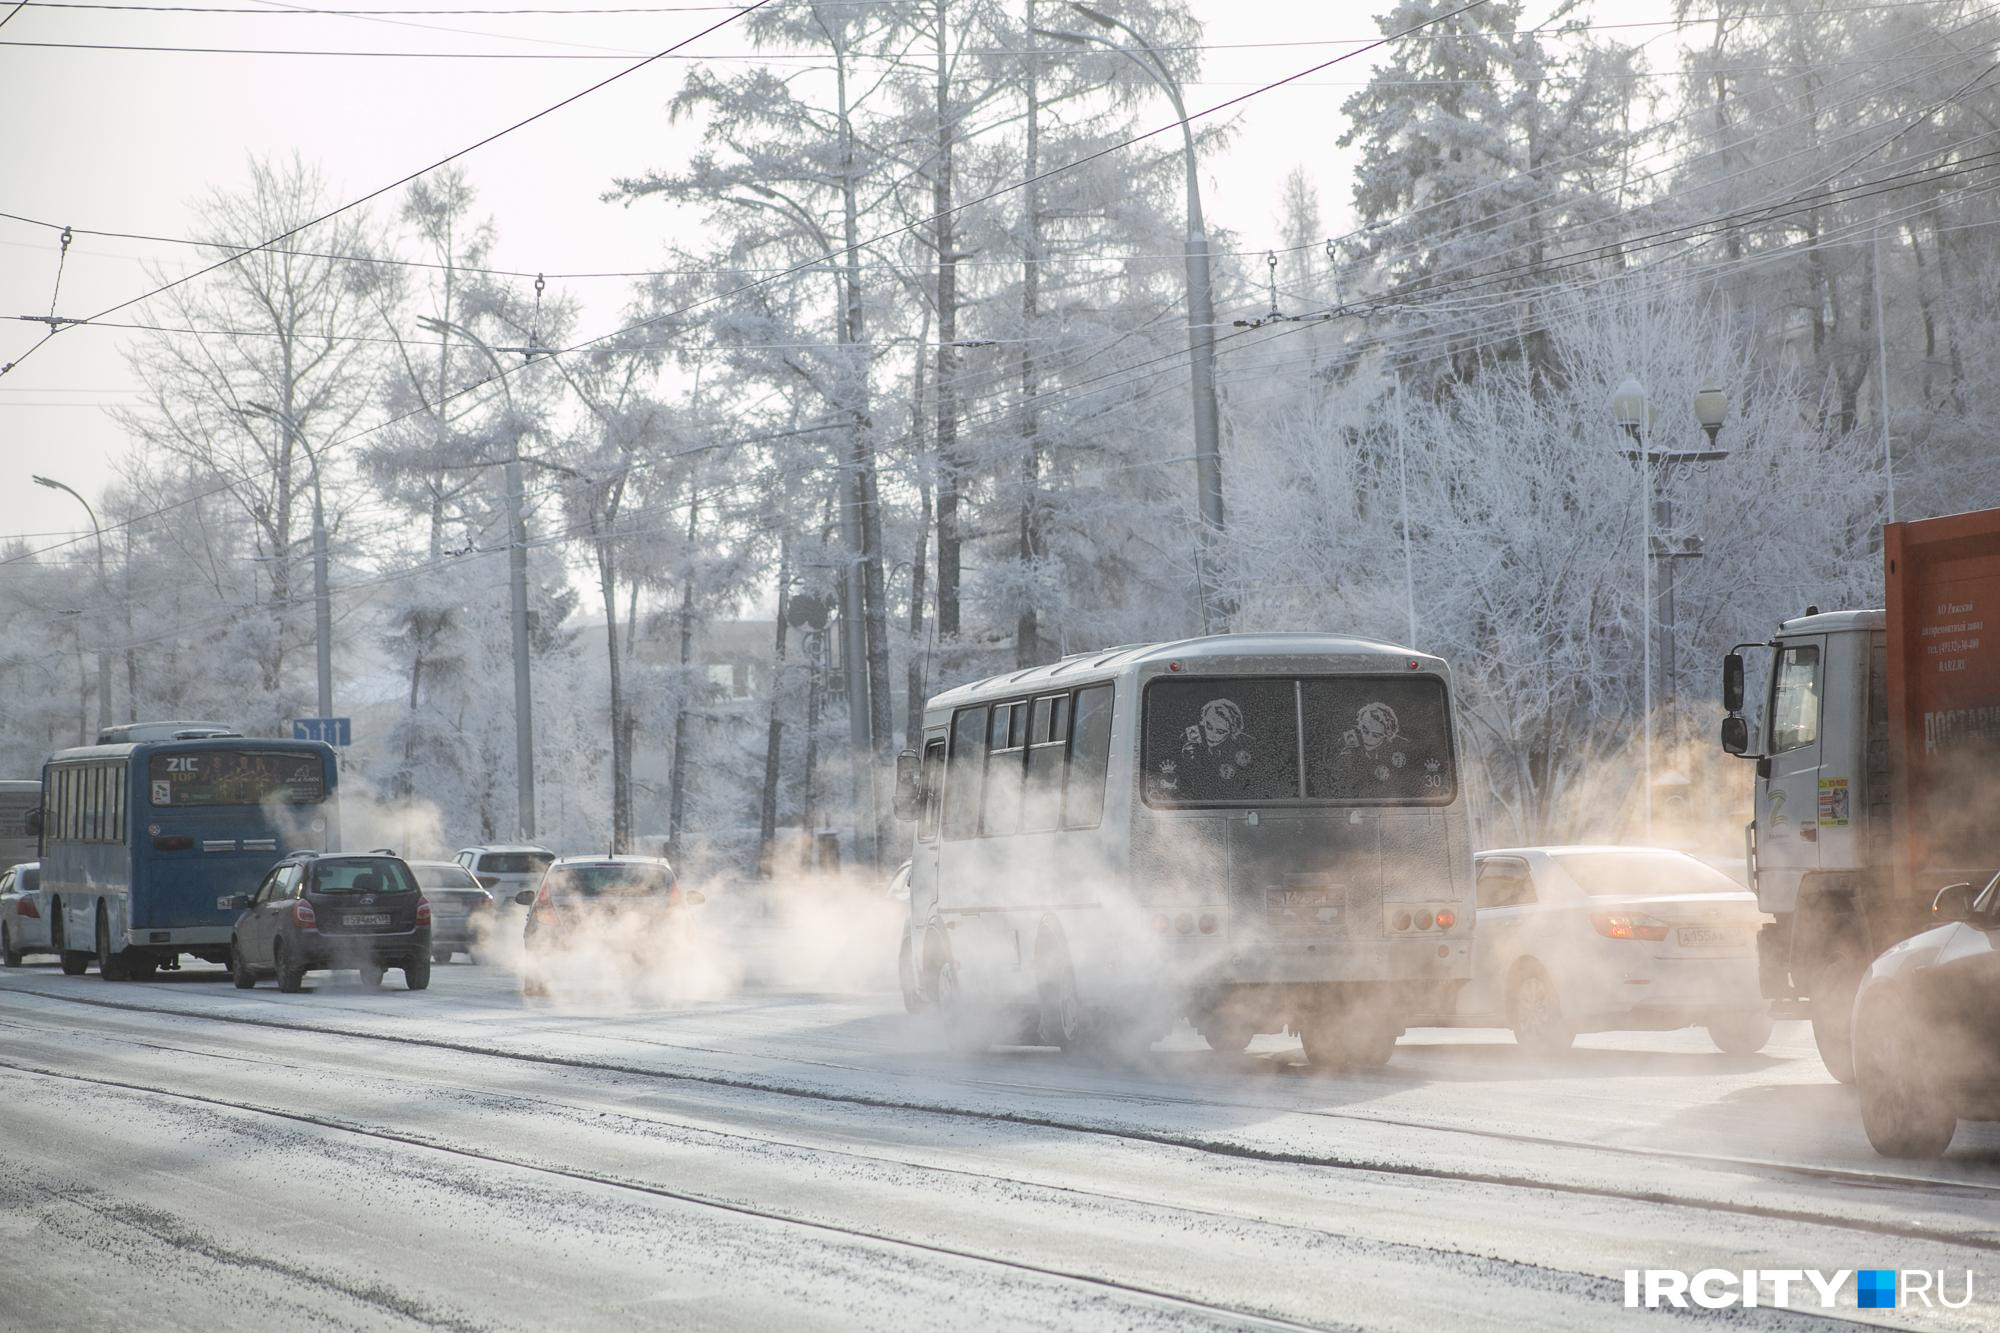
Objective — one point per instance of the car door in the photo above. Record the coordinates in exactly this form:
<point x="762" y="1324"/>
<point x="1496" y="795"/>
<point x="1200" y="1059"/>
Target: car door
<point x="267" y="912"/>
<point x="1505" y="891"/>
<point x="247" y="923"/>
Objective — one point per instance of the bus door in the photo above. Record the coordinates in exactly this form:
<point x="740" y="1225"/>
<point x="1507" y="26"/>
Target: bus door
<point x="924" y="861"/>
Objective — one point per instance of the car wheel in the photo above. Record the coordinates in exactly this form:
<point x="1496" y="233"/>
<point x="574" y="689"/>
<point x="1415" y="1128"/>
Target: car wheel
<point x="291" y="974"/>
<point x="1741" y="1034"/>
<point x="417" y="973"/>
<point x="1903" y="1114"/>
<point x="111" y="963"/>
<point x="371" y="977"/>
<point x="240" y="970"/>
<point x="1535" y="1013"/>
<point x="1833" y="1013"/>
<point x="441" y="956"/>
<point x="9" y="956"/>
<point x="533" y="987"/>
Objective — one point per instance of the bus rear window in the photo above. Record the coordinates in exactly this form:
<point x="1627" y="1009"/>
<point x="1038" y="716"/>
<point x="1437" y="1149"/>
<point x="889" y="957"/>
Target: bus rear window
<point x="235" y="777"/>
<point x="1210" y="741"/>
<point x="1374" y="738"/>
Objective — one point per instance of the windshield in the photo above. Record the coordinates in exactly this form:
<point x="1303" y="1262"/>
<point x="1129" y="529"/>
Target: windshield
<point x="370" y="875"/>
<point x="444" y="877"/>
<point x="1610" y="874"/>
<point x="514" y="863"/>
<point x="609" y="881"/>
<point x="236" y="777"/>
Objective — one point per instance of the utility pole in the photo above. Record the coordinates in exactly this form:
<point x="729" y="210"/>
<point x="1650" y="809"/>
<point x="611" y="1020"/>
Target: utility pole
<point x="517" y="588"/>
<point x="104" y="590"/>
<point x="1217" y="607"/>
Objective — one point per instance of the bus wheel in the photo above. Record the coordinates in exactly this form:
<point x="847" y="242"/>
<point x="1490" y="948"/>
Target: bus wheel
<point x="1226" y="1036"/>
<point x="9" y="956"/>
<point x="1534" y="1011"/>
<point x="906" y="978"/>
<point x="111" y="963"/>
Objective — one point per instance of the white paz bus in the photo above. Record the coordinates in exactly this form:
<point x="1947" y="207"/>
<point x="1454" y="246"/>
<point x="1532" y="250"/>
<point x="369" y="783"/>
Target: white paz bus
<point x="1259" y="832"/>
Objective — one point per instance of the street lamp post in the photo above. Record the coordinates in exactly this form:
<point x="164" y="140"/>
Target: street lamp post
<point x="104" y="588"/>
<point x="1216" y="607"/>
<point x="322" y="595"/>
<point x="517" y="591"/>
<point x="1632" y="410"/>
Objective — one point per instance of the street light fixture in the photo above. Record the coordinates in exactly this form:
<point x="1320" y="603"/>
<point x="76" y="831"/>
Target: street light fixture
<point x="517" y="583"/>
<point x="103" y="587"/>
<point x="322" y="595"/>
<point x="1631" y="410"/>
<point x="1216" y="609"/>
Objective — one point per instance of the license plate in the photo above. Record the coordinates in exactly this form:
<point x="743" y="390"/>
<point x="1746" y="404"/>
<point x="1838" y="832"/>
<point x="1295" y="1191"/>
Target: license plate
<point x="1708" y="937"/>
<point x="1298" y="899"/>
<point x="366" y="919"/>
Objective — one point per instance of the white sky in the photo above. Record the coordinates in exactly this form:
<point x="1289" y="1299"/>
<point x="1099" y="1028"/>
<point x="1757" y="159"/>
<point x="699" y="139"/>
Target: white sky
<point x="121" y="140"/>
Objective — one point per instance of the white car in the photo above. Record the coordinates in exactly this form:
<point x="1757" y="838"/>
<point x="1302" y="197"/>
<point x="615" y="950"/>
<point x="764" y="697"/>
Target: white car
<point x="1603" y="939"/>
<point x="505" y="869"/>
<point x="24" y="913"/>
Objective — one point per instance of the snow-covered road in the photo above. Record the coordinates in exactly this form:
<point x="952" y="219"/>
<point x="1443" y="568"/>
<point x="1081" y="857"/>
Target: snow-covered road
<point x="178" y="1154"/>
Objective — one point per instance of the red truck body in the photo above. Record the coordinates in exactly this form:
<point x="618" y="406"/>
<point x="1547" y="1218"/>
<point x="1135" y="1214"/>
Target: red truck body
<point x="1941" y="580"/>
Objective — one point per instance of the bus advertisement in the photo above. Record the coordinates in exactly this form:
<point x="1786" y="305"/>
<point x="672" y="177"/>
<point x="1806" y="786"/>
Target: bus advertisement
<point x="139" y="840"/>
<point x="1256" y="832"/>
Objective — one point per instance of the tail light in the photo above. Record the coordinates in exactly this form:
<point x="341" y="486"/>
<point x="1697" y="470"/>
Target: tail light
<point x="423" y="911"/>
<point x="1446" y="920"/>
<point x="26" y="909"/>
<point x="1629" y="926"/>
<point x="1208" y="923"/>
<point x="1184" y="923"/>
<point x="303" y="915"/>
<point x="1423" y="920"/>
<point x="1160" y="924"/>
<point x="542" y="894"/>
<point x="1402" y="921"/>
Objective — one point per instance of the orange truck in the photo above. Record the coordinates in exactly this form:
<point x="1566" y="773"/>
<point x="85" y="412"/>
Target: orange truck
<point x="1875" y="734"/>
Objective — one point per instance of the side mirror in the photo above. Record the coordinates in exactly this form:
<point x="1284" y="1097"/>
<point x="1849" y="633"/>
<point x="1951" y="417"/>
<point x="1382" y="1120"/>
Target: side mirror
<point x="909" y="785"/>
<point x="31" y="823"/>
<point x="234" y="902"/>
<point x="1732" y="688"/>
<point x="694" y="896"/>
<point x="1735" y="734"/>
<point x="526" y="897"/>
<point x="1953" y="903"/>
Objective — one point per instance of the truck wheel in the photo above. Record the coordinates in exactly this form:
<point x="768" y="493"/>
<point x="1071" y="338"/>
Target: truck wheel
<point x="1833" y="1013"/>
<point x="906" y="977"/>
<point x="1903" y="1113"/>
<point x="1534" y="1011"/>
<point x="291" y="976"/>
<point x="1741" y="1034"/>
<point x="417" y="972"/>
<point x="9" y="955"/>
<point x="112" y="964"/>
<point x="240" y="971"/>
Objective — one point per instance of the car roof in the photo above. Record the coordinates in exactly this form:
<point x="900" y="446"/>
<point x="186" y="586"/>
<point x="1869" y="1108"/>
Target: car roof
<point x="429" y="864"/>
<point x="508" y="847"/>
<point x="1581" y="848"/>
<point x="618" y="858"/>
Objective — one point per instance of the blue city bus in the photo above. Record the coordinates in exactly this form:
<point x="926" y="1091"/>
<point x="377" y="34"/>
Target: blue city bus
<point x="139" y="840"/>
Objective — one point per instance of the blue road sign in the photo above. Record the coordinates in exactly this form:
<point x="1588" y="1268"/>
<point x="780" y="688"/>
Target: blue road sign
<point x="335" y="731"/>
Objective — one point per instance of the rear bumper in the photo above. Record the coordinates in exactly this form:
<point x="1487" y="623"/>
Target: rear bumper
<point x="334" y="952"/>
<point x="1670" y="993"/>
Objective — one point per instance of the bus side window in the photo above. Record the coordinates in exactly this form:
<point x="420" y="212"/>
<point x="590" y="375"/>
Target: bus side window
<point x="1048" y="738"/>
<point x="962" y="770"/>
<point x="1006" y="762"/>
<point x="927" y="817"/>
<point x="1089" y="756"/>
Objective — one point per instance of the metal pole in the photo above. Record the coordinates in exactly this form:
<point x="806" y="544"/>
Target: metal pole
<point x="1882" y="376"/>
<point x="517" y="593"/>
<point x="1403" y="486"/>
<point x="1217" y="607"/>
<point x="1669" y="693"/>
<point x="104" y="590"/>
<point x="1646" y="612"/>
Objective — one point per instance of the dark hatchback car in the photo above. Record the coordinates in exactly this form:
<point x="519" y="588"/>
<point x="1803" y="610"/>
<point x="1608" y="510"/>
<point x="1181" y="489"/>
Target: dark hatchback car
<point x="1926" y="1041"/>
<point x="332" y="912"/>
